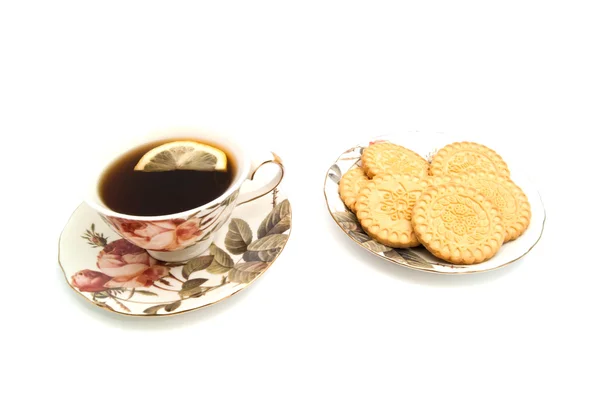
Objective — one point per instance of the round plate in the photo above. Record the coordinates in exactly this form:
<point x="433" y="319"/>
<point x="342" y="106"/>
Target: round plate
<point x="419" y="258"/>
<point x="242" y="251"/>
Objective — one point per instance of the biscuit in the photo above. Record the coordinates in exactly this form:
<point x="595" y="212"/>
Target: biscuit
<point x="350" y="184"/>
<point x="437" y="180"/>
<point x="458" y="224"/>
<point x="510" y="200"/>
<point x="467" y="157"/>
<point x="382" y="157"/>
<point x="384" y="208"/>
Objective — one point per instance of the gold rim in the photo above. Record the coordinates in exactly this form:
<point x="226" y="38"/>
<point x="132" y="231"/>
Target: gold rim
<point x="169" y="313"/>
<point x="436" y="264"/>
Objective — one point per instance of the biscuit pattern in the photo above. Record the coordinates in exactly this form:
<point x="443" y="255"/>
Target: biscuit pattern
<point x="384" y="208"/>
<point x="437" y="180"/>
<point x="384" y="157"/>
<point x="350" y="185"/>
<point x="458" y="224"/>
<point x="468" y="157"/>
<point x="510" y="200"/>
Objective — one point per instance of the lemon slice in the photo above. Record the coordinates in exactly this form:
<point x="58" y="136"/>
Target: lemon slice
<point x="183" y="155"/>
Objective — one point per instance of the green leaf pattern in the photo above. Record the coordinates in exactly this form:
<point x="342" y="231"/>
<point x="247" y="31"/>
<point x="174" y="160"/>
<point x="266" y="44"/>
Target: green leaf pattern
<point x="196" y="264"/>
<point x="335" y="174"/>
<point x="153" y="310"/>
<point x="274" y="241"/>
<point x="238" y="237"/>
<point x="246" y="272"/>
<point x="192" y="287"/>
<point x="261" y="256"/>
<point x="220" y="256"/>
<point x="173" y="306"/>
<point x="278" y="221"/>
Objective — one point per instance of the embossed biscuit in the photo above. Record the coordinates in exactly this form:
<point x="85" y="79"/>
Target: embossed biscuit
<point x="510" y="200"/>
<point x="386" y="157"/>
<point x="384" y="208"/>
<point x="350" y="184"/>
<point x="437" y="180"/>
<point x="458" y="224"/>
<point x="467" y="157"/>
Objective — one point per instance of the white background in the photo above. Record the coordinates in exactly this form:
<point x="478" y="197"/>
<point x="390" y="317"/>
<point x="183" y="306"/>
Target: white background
<point x="307" y="79"/>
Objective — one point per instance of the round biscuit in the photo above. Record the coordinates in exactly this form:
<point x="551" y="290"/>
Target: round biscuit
<point x="384" y="208"/>
<point x="383" y="157"/>
<point x="437" y="180"/>
<point x="350" y="184"/>
<point x="467" y="157"/>
<point x="510" y="200"/>
<point x="458" y="224"/>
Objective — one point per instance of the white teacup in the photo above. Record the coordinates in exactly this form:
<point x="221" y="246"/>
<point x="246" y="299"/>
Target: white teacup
<point x="182" y="236"/>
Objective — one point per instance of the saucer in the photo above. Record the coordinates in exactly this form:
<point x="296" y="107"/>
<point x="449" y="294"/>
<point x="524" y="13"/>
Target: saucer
<point x="419" y="258"/>
<point x="241" y="252"/>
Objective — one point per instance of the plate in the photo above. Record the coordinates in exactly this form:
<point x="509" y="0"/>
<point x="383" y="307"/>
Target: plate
<point x="419" y="258"/>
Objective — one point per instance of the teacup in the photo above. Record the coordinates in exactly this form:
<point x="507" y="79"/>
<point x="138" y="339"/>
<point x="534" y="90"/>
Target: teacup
<point x="182" y="236"/>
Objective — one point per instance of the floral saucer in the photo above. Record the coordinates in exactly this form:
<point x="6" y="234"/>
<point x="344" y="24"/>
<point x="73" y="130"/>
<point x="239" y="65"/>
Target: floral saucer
<point x="105" y="268"/>
<point x="419" y="258"/>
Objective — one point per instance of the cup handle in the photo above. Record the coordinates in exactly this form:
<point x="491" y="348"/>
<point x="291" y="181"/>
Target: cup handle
<point x="249" y="196"/>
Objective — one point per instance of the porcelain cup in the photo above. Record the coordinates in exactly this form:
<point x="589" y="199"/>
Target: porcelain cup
<point x="182" y="236"/>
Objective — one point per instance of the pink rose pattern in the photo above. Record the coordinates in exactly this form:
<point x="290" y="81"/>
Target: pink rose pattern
<point x="122" y="265"/>
<point x="89" y="280"/>
<point x="165" y="235"/>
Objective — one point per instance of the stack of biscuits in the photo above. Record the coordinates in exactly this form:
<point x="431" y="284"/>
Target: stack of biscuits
<point x="462" y="207"/>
